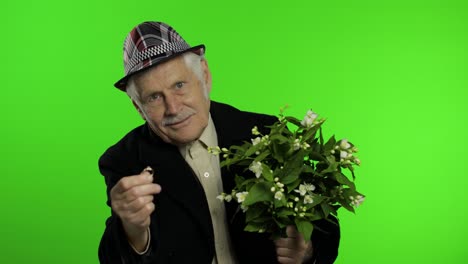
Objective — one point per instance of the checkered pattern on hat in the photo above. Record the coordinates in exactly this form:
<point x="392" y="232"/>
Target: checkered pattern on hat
<point x="148" y="44"/>
<point x="150" y="40"/>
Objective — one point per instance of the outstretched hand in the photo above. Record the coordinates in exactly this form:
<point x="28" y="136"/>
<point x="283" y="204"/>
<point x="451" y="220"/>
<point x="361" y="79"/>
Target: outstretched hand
<point x="292" y="249"/>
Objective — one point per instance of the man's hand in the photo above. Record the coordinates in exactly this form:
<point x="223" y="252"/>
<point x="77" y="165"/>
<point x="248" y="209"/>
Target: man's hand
<point x="132" y="201"/>
<point x="293" y="249"/>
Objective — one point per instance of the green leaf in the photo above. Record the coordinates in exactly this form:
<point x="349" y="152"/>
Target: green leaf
<point x="310" y="133"/>
<point x="279" y="138"/>
<point x="254" y="212"/>
<point x="253" y="149"/>
<point x="305" y="228"/>
<point x="321" y="138"/>
<point x="262" y="155"/>
<point x="333" y="167"/>
<point x="293" y="120"/>
<point x="330" y="144"/>
<point x="317" y="200"/>
<point x="239" y="180"/>
<point x="279" y="150"/>
<point x="346" y="205"/>
<point x="253" y="227"/>
<point x="266" y="173"/>
<point x="280" y="203"/>
<point x="327" y="209"/>
<point x="293" y="185"/>
<point x="239" y="150"/>
<point x="341" y="178"/>
<point x="285" y="212"/>
<point x="293" y="168"/>
<point x="260" y="192"/>
<point x="316" y="156"/>
<point x="281" y="222"/>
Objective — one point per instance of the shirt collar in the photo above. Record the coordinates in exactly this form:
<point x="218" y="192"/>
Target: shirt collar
<point x="208" y="138"/>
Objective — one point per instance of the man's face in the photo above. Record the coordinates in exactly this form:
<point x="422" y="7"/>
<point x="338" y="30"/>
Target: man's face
<point x="174" y="101"/>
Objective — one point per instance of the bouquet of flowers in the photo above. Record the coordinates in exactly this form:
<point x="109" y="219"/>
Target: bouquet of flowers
<point x="299" y="177"/>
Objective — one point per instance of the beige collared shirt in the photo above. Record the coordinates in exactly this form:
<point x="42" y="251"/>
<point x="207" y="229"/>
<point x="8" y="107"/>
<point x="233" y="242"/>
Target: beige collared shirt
<point x="206" y="167"/>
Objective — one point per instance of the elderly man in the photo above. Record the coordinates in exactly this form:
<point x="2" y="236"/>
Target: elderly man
<point x="162" y="183"/>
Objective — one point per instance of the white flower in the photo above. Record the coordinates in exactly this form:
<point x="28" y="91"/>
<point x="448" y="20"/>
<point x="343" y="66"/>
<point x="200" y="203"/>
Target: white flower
<point x="224" y="197"/>
<point x="309" y="187"/>
<point x="278" y="195"/>
<point x="255" y="131"/>
<point x="279" y="184"/>
<point x="256" y="140"/>
<point x="344" y="145"/>
<point x="358" y="200"/>
<point x="305" y="145"/>
<point x="308" y="199"/>
<point x="296" y="144"/>
<point x="256" y="167"/>
<point x="357" y="161"/>
<point x="309" y="119"/>
<point x="244" y="208"/>
<point x="302" y="191"/>
<point x="214" y="150"/>
<point x="343" y="154"/>
<point x="241" y="196"/>
<point x="304" y="188"/>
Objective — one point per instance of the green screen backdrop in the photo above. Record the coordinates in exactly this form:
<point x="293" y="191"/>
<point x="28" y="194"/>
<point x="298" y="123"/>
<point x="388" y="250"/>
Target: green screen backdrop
<point x="390" y="76"/>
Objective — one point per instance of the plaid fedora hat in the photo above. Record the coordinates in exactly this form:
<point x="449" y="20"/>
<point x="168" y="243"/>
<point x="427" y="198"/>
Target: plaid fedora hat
<point x="149" y="44"/>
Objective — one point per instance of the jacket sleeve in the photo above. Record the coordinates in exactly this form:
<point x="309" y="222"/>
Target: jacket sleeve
<point x="325" y="241"/>
<point x="114" y="247"/>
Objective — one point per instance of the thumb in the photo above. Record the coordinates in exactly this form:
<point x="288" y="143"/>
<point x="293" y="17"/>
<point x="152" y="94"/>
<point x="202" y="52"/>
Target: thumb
<point x="291" y="231"/>
<point x="148" y="171"/>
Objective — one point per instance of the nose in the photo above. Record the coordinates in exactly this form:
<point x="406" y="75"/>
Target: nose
<point x="172" y="104"/>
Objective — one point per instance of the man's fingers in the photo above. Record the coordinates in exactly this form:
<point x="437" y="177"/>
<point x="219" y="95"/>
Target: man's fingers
<point x="283" y="242"/>
<point x="285" y="252"/>
<point x="137" y="204"/>
<point x="141" y="216"/>
<point x="126" y="183"/>
<point x="292" y="248"/>
<point x="286" y="260"/>
<point x="140" y="190"/>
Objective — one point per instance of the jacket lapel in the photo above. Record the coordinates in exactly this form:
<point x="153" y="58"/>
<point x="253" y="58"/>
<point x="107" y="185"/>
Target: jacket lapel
<point x="176" y="178"/>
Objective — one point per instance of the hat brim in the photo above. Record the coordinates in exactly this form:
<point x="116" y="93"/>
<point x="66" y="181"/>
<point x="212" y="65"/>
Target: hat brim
<point x="122" y="83"/>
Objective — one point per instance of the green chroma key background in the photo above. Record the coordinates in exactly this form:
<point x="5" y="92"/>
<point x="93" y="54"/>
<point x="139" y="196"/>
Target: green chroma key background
<point x="391" y="76"/>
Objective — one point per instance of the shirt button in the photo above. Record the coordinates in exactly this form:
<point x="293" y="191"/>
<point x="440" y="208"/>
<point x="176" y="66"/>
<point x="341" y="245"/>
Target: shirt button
<point x="206" y="175"/>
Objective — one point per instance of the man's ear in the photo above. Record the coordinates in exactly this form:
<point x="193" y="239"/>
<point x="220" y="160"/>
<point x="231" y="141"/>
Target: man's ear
<point x="138" y="109"/>
<point x="206" y="74"/>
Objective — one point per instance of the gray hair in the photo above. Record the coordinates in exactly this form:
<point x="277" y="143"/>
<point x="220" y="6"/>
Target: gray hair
<point x="192" y="60"/>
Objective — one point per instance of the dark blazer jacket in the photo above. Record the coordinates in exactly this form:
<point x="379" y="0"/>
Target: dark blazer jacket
<point x="181" y="228"/>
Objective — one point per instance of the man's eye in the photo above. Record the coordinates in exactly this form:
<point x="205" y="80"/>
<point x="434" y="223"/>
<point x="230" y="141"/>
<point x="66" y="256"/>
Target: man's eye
<point x="154" y="97"/>
<point x="179" y="85"/>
